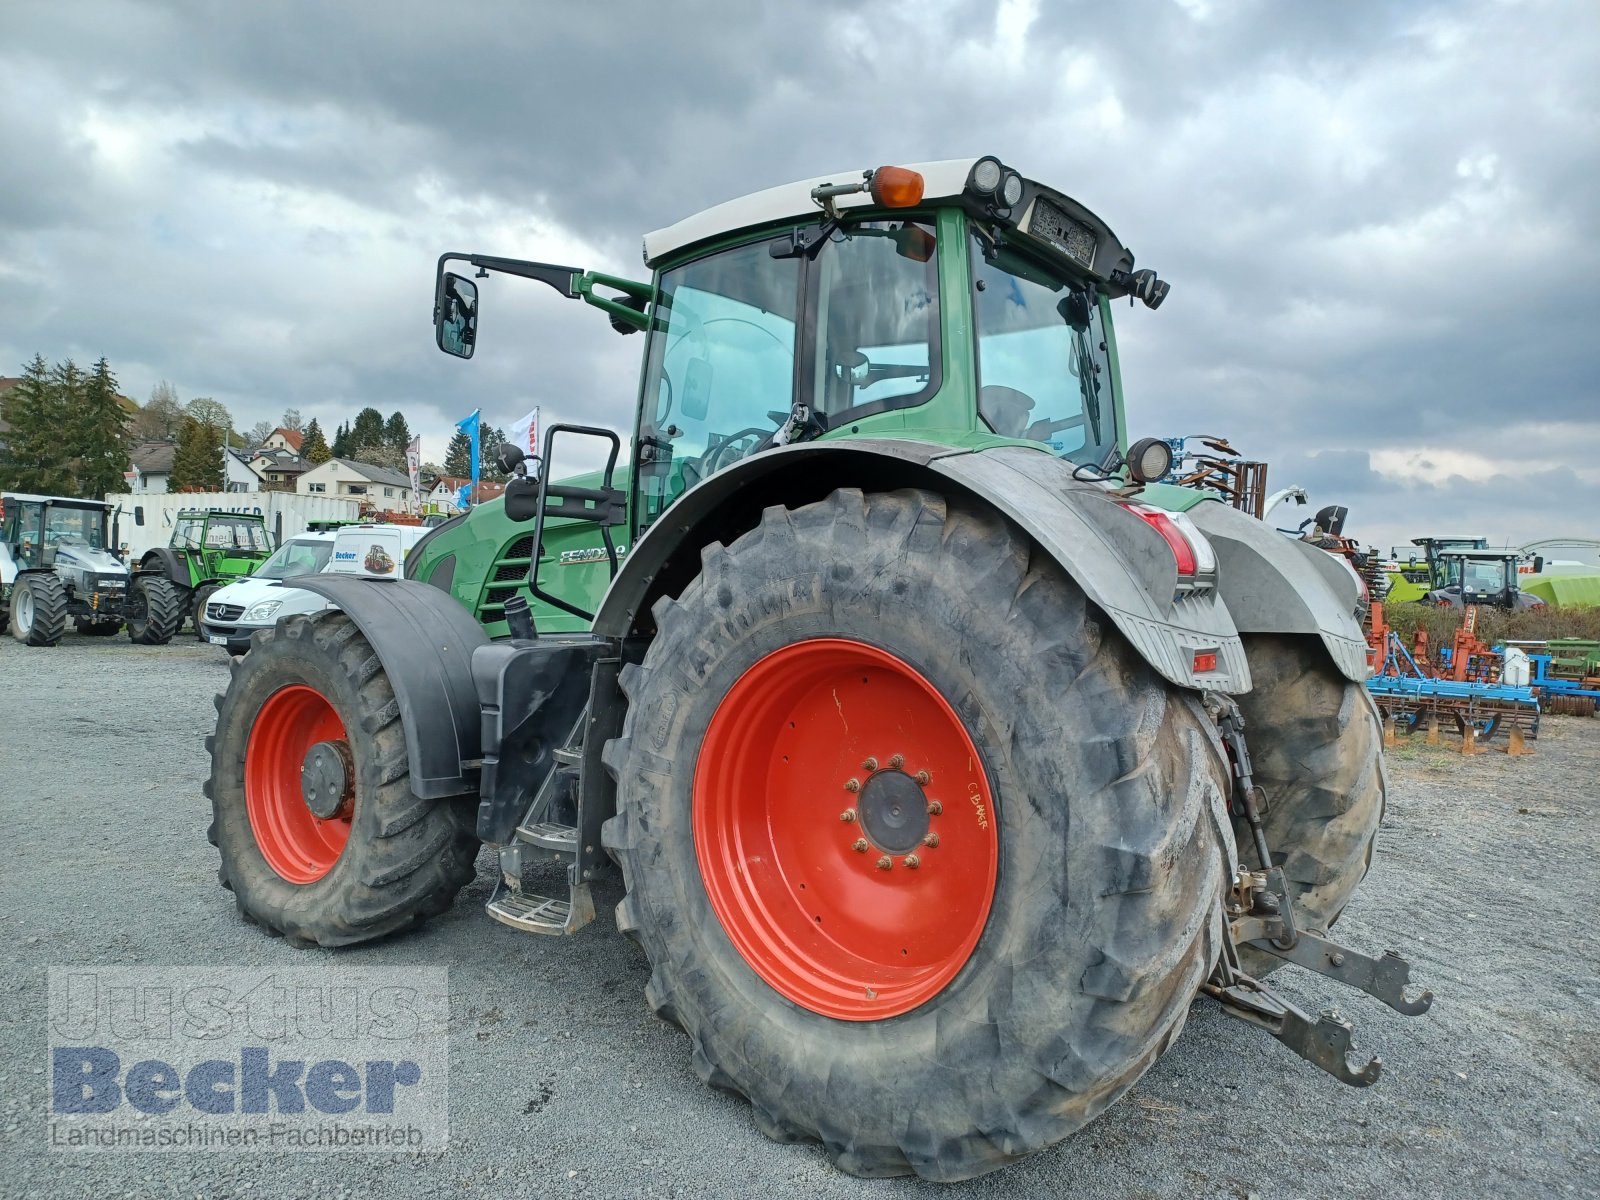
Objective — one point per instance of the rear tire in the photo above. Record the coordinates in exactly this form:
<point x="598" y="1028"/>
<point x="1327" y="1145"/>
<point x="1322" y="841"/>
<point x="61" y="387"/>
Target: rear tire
<point x="1316" y="745"/>
<point x="38" y="609"/>
<point x="389" y="860"/>
<point x="1108" y="804"/>
<point x="155" y="610"/>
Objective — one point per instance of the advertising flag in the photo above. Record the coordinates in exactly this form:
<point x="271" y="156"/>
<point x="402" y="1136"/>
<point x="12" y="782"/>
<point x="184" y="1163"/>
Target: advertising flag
<point x="414" y="469"/>
<point x="525" y="433"/>
<point x="469" y="426"/>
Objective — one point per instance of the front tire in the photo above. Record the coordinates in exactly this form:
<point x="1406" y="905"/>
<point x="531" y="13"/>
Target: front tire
<point x="1316" y="746"/>
<point x="197" y="607"/>
<point x="1083" y="842"/>
<point x="155" y="610"/>
<point x="38" y="610"/>
<point x="362" y="857"/>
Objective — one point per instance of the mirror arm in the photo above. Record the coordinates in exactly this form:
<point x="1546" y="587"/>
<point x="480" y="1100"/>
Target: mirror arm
<point x="584" y="285"/>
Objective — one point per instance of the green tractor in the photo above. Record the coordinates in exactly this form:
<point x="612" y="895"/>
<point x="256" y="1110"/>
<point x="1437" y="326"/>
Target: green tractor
<point x="206" y="551"/>
<point x="928" y="734"/>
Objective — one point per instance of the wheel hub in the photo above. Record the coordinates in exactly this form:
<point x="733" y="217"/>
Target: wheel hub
<point x="325" y="780"/>
<point x="894" y="811"/>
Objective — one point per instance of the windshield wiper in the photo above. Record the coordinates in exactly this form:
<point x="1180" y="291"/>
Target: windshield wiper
<point x="1089" y="376"/>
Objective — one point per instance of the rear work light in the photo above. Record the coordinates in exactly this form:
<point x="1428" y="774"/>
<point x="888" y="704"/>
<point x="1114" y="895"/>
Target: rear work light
<point x="1193" y="555"/>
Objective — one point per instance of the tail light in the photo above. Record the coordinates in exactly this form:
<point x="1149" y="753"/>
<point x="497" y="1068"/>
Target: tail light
<point x="1195" y="559"/>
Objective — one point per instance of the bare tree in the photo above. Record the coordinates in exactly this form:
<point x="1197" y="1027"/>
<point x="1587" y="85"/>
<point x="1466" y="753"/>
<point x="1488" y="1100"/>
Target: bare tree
<point x="161" y="417"/>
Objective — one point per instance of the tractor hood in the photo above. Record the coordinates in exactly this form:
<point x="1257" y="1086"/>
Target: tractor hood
<point x="86" y="558"/>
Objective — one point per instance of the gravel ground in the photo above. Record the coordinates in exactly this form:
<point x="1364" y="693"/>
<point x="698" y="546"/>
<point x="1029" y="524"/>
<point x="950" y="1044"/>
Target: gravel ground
<point x="562" y="1083"/>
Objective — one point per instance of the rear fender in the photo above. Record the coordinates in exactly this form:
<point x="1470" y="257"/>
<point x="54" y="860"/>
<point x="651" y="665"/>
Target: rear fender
<point x="1277" y="584"/>
<point x="166" y="561"/>
<point x="425" y="641"/>
<point x="1122" y="564"/>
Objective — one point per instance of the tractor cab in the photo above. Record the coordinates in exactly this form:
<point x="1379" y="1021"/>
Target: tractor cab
<point x="955" y="304"/>
<point x="1474" y="577"/>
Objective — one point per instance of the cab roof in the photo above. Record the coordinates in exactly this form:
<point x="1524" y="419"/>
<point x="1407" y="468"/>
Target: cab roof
<point x="29" y="498"/>
<point x="1098" y="251"/>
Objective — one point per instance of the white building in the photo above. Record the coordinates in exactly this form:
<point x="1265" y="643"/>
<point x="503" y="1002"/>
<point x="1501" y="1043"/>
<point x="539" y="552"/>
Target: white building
<point x="277" y="467"/>
<point x="152" y="464"/>
<point x="241" y="477"/>
<point x="382" y="487"/>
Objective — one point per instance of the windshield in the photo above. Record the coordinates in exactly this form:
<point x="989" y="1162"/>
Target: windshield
<point x="1483" y="576"/>
<point x="79" y="526"/>
<point x="1043" y="354"/>
<point x="298" y="556"/>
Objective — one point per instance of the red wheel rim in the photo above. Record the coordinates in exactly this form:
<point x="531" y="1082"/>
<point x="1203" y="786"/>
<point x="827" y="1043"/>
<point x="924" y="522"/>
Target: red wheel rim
<point x="297" y="844"/>
<point x="804" y="856"/>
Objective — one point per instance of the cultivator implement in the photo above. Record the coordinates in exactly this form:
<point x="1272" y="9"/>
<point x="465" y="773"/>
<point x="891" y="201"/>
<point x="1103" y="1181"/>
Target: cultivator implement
<point x="1404" y="691"/>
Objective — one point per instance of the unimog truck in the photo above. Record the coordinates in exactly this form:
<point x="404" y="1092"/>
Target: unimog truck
<point x="57" y="564"/>
<point x="945" y="757"/>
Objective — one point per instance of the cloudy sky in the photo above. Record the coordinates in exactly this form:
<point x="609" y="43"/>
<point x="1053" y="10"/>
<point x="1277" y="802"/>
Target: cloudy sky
<point x="1381" y="220"/>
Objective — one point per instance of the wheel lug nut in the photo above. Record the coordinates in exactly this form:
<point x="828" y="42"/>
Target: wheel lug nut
<point x="934" y="808"/>
<point x="885" y="863"/>
<point x="924" y="778"/>
<point x="931" y="840"/>
<point x="852" y="785"/>
<point x="870" y="765"/>
<point x="913" y="861"/>
<point x="848" y="815"/>
<point x="897" y="761"/>
<point x="860" y="845"/>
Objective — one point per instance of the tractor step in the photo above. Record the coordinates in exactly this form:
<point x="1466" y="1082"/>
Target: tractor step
<point x="548" y="835"/>
<point x="570" y="756"/>
<point x="542" y="914"/>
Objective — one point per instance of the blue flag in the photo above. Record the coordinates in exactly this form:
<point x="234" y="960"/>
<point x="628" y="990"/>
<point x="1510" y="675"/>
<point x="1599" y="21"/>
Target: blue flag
<point x="470" y="428"/>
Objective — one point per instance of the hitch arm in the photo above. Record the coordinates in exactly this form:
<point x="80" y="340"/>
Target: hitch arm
<point x="1323" y="1042"/>
<point x="1385" y="978"/>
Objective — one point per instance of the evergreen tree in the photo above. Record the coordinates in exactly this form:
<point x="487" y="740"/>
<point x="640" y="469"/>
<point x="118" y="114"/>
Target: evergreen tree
<point x="368" y="429"/>
<point x="341" y="440"/>
<point x="198" y="462"/>
<point x="397" y="433"/>
<point x="458" y="456"/>
<point x="98" y="440"/>
<point x="489" y="439"/>
<point x="36" y="456"/>
<point x="162" y="417"/>
<point x="315" y="447"/>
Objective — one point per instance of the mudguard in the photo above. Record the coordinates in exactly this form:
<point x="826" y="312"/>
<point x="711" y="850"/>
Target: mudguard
<point x="1122" y="564"/>
<point x="1277" y="584"/>
<point x="425" y="641"/>
<point x="168" y="562"/>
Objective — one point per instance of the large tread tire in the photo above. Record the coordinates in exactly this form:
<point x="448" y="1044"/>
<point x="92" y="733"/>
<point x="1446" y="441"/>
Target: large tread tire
<point x="197" y="607"/>
<point x="162" y="614"/>
<point x="1114" y="843"/>
<point x="47" y="597"/>
<point x="1316" y="747"/>
<point x="406" y="858"/>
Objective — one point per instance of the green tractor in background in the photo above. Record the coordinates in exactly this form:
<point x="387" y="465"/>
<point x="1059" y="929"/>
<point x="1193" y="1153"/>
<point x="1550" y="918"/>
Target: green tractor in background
<point x="207" y="550"/>
<point x="1415" y="577"/>
<point x="926" y="730"/>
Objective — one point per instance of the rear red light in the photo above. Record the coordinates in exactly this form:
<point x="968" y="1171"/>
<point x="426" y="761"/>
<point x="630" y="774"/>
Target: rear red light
<point x="1205" y="661"/>
<point x="1182" y="551"/>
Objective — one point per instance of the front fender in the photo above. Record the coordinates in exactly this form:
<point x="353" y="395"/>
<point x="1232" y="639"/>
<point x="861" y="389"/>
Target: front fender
<point x="1122" y="564"/>
<point x="425" y="641"/>
<point x="1277" y="584"/>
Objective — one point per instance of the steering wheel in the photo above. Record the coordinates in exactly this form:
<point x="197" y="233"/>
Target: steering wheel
<point x="714" y="453"/>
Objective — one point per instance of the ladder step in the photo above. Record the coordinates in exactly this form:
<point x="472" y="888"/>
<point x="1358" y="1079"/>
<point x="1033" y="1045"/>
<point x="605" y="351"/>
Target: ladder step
<point x="549" y="836"/>
<point x="529" y="913"/>
<point x="571" y="756"/>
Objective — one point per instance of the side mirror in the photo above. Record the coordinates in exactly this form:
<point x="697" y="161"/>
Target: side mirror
<point x="455" y="315"/>
<point x="138" y="514"/>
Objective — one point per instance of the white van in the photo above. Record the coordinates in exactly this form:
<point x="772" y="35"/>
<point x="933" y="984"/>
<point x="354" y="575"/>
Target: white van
<point x="235" y="612"/>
